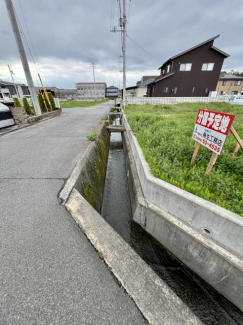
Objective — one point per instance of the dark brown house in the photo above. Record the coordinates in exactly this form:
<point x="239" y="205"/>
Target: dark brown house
<point x="192" y="73"/>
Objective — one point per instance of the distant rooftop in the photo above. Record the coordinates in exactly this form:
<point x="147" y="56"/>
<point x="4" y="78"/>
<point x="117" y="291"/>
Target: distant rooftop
<point x="10" y="83"/>
<point x="229" y="76"/>
<point x="90" y="83"/>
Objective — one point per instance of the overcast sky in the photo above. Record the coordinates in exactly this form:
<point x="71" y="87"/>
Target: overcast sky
<point x="66" y="36"/>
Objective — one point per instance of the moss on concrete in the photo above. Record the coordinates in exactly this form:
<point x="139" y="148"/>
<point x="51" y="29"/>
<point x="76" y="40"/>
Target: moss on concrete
<point x="93" y="179"/>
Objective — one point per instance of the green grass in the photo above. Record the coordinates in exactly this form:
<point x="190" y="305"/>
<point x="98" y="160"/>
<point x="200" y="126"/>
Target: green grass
<point x="92" y="136"/>
<point x="165" y="135"/>
<point x="73" y="104"/>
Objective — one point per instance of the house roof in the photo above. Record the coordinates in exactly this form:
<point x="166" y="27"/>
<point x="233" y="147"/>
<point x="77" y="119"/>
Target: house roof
<point x="113" y="87"/>
<point x="10" y="83"/>
<point x="230" y="77"/>
<point x="146" y="82"/>
<point x="48" y="87"/>
<point x="142" y="84"/>
<point x="194" y="47"/>
<point x="163" y="77"/>
<point x="132" y="87"/>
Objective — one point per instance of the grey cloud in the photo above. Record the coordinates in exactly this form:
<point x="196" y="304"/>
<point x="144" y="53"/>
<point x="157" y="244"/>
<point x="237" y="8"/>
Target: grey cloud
<point x="79" y="30"/>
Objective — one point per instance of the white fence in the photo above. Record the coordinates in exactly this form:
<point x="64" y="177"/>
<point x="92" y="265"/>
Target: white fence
<point x="175" y="100"/>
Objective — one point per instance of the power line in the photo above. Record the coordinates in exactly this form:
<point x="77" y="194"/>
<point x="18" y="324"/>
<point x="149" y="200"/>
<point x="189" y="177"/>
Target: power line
<point x="143" y="48"/>
<point x="128" y="15"/>
<point x="33" y="56"/>
<point x="29" y="55"/>
<point x="112" y="13"/>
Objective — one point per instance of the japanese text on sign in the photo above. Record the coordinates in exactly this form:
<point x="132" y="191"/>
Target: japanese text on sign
<point x="211" y="129"/>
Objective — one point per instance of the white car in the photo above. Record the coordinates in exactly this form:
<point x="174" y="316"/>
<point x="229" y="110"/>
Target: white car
<point x="236" y="99"/>
<point x="6" y="118"/>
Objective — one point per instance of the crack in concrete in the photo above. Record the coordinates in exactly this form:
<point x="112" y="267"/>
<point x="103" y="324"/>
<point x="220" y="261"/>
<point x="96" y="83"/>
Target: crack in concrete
<point x="223" y="278"/>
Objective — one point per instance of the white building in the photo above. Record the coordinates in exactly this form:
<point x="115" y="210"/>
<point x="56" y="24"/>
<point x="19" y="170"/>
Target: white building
<point x="140" y="90"/>
<point x="86" y="90"/>
<point x="15" y="90"/>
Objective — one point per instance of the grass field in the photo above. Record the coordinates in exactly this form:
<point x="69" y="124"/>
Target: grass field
<point x="73" y="104"/>
<point x="165" y="135"/>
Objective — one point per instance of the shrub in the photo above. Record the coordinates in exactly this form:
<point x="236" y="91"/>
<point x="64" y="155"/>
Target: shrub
<point x="16" y="102"/>
<point x="27" y="106"/>
<point x="41" y="103"/>
<point x="51" y="99"/>
<point x="47" y="103"/>
<point x="92" y="136"/>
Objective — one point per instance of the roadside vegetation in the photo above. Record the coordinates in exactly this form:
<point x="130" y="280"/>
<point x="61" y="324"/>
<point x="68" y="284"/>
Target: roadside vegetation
<point x="92" y="136"/>
<point x="81" y="104"/>
<point x="165" y="135"/>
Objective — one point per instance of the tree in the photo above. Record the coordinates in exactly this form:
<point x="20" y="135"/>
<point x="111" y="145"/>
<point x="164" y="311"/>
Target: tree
<point x="16" y="102"/>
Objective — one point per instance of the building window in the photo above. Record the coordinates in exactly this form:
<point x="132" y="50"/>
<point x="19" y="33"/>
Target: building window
<point x="237" y="83"/>
<point x="165" y="90"/>
<point x="175" y="90"/>
<point x="205" y="90"/>
<point x="163" y="71"/>
<point x="193" y="89"/>
<point x="168" y="68"/>
<point x="224" y="83"/>
<point x="185" y="66"/>
<point x="234" y="93"/>
<point x="207" y="66"/>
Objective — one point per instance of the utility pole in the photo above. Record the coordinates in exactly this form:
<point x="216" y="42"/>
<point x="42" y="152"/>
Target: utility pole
<point x="92" y="64"/>
<point x="124" y="53"/>
<point x="122" y="25"/>
<point x="23" y="56"/>
<point x="15" y="86"/>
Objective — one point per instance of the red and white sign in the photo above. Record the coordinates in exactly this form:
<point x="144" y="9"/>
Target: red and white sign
<point x="211" y="129"/>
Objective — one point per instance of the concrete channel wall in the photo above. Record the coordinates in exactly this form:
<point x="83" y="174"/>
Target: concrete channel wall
<point x="88" y="176"/>
<point x="204" y="236"/>
<point x="82" y="196"/>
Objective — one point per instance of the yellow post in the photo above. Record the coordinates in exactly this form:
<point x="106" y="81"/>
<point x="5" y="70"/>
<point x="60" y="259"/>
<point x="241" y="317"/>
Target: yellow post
<point x="45" y="92"/>
<point x="44" y="102"/>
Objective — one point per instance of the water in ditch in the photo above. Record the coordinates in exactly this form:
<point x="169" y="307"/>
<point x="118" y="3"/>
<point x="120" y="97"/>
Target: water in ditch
<point x="209" y="306"/>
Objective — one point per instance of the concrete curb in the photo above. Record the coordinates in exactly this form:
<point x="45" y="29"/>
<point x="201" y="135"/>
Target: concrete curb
<point x="158" y="303"/>
<point x="72" y="179"/>
<point x="32" y="121"/>
<point x="45" y="116"/>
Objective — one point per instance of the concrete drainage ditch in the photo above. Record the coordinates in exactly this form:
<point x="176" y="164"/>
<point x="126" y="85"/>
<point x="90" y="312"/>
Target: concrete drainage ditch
<point x="166" y="289"/>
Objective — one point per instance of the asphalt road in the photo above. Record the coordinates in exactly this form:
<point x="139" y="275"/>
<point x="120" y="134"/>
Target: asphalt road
<point x="49" y="272"/>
